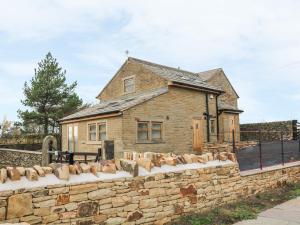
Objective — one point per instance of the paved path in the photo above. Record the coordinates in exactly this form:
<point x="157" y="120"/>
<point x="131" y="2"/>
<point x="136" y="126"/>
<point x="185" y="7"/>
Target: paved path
<point x="287" y="213"/>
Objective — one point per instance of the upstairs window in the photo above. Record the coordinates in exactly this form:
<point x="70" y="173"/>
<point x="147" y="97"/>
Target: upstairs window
<point x="129" y="85"/>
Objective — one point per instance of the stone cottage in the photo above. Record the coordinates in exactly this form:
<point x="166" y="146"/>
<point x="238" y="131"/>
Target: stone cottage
<point x="152" y="107"/>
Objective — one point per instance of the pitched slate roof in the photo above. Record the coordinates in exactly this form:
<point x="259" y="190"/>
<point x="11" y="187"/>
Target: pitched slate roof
<point x="117" y="105"/>
<point x="177" y="75"/>
<point x="206" y="75"/>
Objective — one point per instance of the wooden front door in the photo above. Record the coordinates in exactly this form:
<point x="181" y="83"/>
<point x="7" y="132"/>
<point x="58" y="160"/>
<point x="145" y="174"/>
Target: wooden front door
<point x="228" y="126"/>
<point x="197" y="134"/>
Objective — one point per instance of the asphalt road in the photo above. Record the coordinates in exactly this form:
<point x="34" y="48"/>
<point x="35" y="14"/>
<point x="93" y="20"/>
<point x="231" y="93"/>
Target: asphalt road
<point x="249" y="158"/>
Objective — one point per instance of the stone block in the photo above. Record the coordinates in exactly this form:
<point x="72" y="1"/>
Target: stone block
<point x="115" y="221"/>
<point x="60" y="190"/>
<point x="99" y="219"/>
<point x="72" y="169"/>
<point x="47" y="169"/>
<point x="62" y="199"/>
<point x="130" y="207"/>
<point x="13" y="173"/>
<point x="39" y="170"/>
<point x="85" y="168"/>
<point x="130" y="166"/>
<point x="231" y="156"/>
<point x="45" y="211"/>
<point x="2" y="213"/>
<point x="101" y="194"/>
<point x="19" y="205"/>
<point x="77" y="189"/>
<point x="78" y="197"/>
<point x="148" y="203"/>
<point x="21" y="170"/>
<point x="31" y="174"/>
<point x="87" y="209"/>
<point x="62" y="172"/>
<point x="109" y="168"/>
<point x="78" y="168"/>
<point x="71" y="206"/>
<point x="133" y="216"/>
<point x="171" y="161"/>
<point x="120" y="201"/>
<point x="3" y="175"/>
<point x="50" y="218"/>
<point x="145" y="163"/>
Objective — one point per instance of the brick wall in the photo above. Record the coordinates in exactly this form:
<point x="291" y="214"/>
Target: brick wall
<point x="140" y="200"/>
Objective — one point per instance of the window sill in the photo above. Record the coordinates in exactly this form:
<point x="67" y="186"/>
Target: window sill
<point x="94" y="142"/>
<point x="150" y="142"/>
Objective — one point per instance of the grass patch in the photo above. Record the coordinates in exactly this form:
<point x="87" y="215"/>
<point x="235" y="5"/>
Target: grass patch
<point x="243" y="210"/>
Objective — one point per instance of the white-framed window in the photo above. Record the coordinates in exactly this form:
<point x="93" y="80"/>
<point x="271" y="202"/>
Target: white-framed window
<point x="102" y="131"/>
<point x="149" y="131"/>
<point x="72" y="137"/>
<point x="92" y="132"/>
<point x="96" y="131"/>
<point x="129" y="85"/>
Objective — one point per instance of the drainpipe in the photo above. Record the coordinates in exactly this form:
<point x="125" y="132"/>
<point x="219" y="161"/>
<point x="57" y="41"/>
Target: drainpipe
<point x="207" y="118"/>
<point x="217" y="113"/>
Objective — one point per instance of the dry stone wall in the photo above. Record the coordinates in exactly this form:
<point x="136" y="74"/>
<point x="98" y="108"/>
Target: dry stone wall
<point x="154" y="199"/>
<point x="270" y="131"/>
<point x="12" y="157"/>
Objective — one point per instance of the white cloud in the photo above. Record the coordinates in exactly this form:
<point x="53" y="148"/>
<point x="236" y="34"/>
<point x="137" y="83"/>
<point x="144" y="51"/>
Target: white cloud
<point x="18" y="69"/>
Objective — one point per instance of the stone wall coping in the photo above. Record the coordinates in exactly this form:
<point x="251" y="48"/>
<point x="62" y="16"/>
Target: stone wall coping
<point x="269" y="169"/>
<point x="21" y="151"/>
<point x="127" y="178"/>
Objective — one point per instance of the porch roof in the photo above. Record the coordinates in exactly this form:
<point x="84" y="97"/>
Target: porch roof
<point x="224" y="107"/>
<point x="116" y="105"/>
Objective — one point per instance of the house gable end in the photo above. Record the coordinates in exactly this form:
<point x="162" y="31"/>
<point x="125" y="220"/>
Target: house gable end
<point x="143" y="79"/>
<point x="216" y="76"/>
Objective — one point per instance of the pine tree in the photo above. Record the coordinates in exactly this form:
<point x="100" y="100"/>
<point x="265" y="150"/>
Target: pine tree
<point x="48" y="96"/>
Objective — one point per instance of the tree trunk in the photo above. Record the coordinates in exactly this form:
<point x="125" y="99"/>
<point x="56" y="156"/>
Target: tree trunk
<point x="46" y="124"/>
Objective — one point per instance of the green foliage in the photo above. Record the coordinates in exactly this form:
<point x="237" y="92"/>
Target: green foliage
<point x="48" y="96"/>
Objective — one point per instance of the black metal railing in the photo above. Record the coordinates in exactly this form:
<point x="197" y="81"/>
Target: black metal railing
<point x="266" y="148"/>
<point x="70" y="157"/>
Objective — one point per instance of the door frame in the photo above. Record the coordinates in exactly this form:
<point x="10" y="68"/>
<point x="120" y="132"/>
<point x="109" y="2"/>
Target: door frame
<point x="198" y="133"/>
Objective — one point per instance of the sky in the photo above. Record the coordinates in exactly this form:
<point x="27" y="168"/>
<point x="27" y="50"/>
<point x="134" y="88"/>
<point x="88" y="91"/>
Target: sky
<point x="256" y="42"/>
